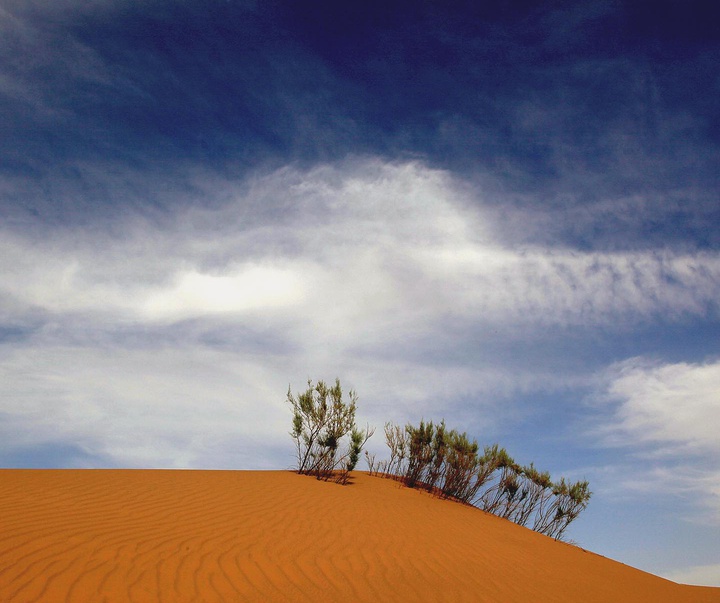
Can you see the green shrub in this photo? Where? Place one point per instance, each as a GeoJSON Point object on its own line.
{"type": "Point", "coordinates": [449, 464]}
{"type": "Point", "coordinates": [321, 420]}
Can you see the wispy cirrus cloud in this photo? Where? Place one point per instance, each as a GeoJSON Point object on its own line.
{"type": "Point", "coordinates": [665, 415]}
{"type": "Point", "coordinates": [371, 235]}
{"type": "Point", "coordinates": [674, 407]}
{"type": "Point", "coordinates": [354, 268]}
{"type": "Point", "coordinates": [144, 405]}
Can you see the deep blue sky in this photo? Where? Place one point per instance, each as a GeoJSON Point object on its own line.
{"type": "Point", "coordinates": [500, 213]}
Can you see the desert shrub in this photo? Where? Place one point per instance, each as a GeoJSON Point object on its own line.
{"type": "Point", "coordinates": [536, 489]}
{"type": "Point", "coordinates": [420, 452]}
{"type": "Point", "coordinates": [371, 463]}
{"type": "Point", "coordinates": [461, 462]}
{"type": "Point", "coordinates": [435, 472]}
{"type": "Point", "coordinates": [347, 463]}
{"type": "Point", "coordinates": [321, 421]}
{"type": "Point", "coordinates": [487, 466]}
{"type": "Point", "coordinates": [448, 463]}
{"type": "Point", "coordinates": [499, 495]}
{"type": "Point", "coordinates": [569, 500]}
{"type": "Point", "coordinates": [396, 440]}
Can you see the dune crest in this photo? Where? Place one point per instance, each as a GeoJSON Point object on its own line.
{"type": "Point", "coordinates": [181, 536]}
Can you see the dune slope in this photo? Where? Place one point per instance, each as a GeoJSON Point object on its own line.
{"type": "Point", "coordinates": [175, 536]}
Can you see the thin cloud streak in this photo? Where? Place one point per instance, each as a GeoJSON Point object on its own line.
{"type": "Point", "coordinates": [355, 242]}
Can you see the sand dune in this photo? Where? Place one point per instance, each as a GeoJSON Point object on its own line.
{"type": "Point", "coordinates": [202, 536]}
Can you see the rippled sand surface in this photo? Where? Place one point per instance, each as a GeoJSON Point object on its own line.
{"type": "Point", "coordinates": [207, 536]}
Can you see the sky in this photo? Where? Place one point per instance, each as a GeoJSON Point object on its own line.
{"type": "Point", "coordinates": [503, 214]}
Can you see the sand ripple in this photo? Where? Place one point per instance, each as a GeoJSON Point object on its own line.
{"type": "Point", "coordinates": [207, 536]}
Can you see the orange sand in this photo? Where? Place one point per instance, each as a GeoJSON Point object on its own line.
{"type": "Point", "coordinates": [202, 536]}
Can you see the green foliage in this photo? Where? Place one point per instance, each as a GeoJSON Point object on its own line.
{"type": "Point", "coordinates": [459, 477]}
{"type": "Point", "coordinates": [570, 499]}
{"type": "Point", "coordinates": [430, 456]}
{"type": "Point", "coordinates": [449, 464]}
{"type": "Point", "coordinates": [420, 451]}
{"type": "Point", "coordinates": [321, 420]}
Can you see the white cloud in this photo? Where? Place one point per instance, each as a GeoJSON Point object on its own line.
{"type": "Point", "coordinates": [672, 405]}
{"type": "Point", "coordinates": [699, 575]}
{"type": "Point", "coordinates": [163, 406]}
{"type": "Point", "coordinates": [667, 415]}
{"type": "Point", "coordinates": [353, 269]}
{"type": "Point", "coordinates": [186, 404]}
{"type": "Point", "coordinates": [42, 61]}
{"type": "Point", "coordinates": [251, 288]}
{"type": "Point", "coordinates": [357, 245]}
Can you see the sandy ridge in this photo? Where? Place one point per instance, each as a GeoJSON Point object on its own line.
{"type": "Point", "coordinates": [120, 536]}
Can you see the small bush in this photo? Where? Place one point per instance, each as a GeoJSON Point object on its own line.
{"type": "Point", "coordinates": [321, 421]}
{"type": "Point", "coordinates": [430, 456]}
{"type": "Point", "coordinates": [396, 439]}
{"type": "Point", "coordinates": [449, 464]}
{"type": "Point", "coordinates": [570, 500]}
